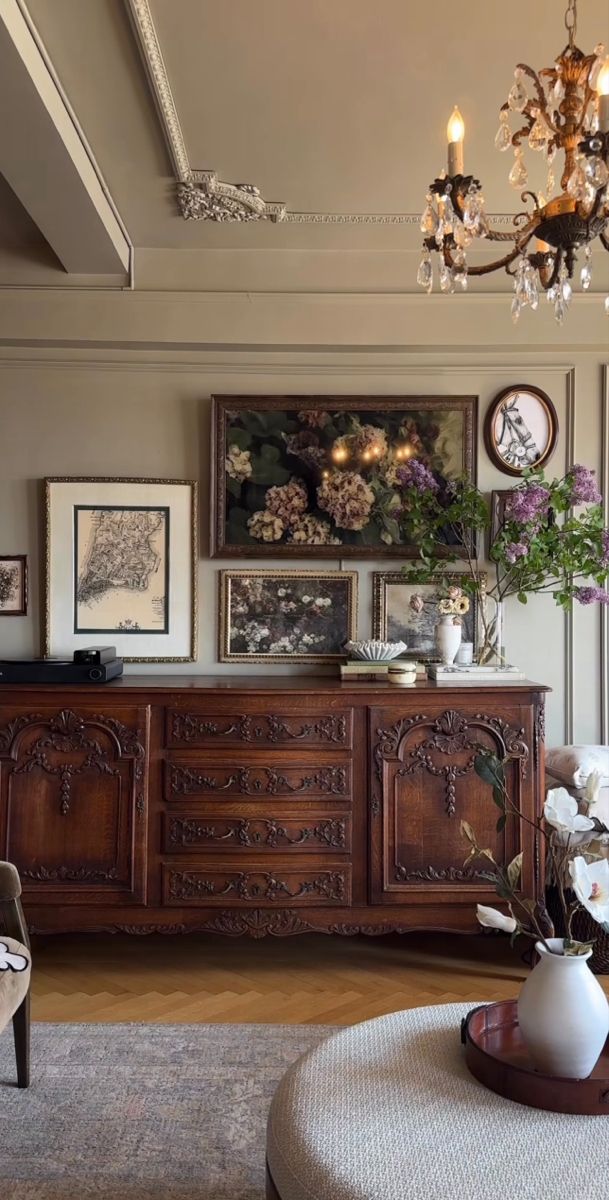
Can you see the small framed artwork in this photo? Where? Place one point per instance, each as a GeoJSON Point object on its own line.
{"type": "Point", "coordinates": [408, 612]}
{"type": "Point", "coordinates": [13, 585]}
{"type": "Point", "coordinates": [121, 567]}
{"type": "Point", "coordinates": [520, 429]}
{"type": "Point", "coordinates": [324, 476]}
{"type": "Point", "coordinates": [286, 616]}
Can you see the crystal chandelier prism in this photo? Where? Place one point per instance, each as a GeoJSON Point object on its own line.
{"type": "Point", "coordinates": [562, 113]}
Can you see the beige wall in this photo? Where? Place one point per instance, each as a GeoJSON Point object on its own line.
{"type": "Point", "coordinates": [120, 385]}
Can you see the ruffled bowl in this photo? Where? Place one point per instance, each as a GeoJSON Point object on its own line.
{"type": "Point", "coordinates": [375, 651]}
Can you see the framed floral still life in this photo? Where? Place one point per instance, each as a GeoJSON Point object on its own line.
{"type": "Point", "coordinates": [520, 429]}
{"type": "Point", "coordinates": [121, 567]}
{"type": "Point", "coordinates": [13, 585]}
{"type": "Point", "coordinates": [286, 616]}
{"type": "Point", "coordinates": [325, 476]}
{"type": "Point", "coordinates": [409, 612]}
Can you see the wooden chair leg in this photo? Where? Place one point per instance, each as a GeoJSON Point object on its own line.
{"type": "Point", "coordinates": [21, 1032]}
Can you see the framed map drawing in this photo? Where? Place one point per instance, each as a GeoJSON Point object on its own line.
{"type": "Point", "coordinates": [121, 567]}
{"type": "Point", "coordinates": [324, 476]}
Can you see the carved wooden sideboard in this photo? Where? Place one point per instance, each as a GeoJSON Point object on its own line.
{"type": "Point", "coordinates": [260, 806]}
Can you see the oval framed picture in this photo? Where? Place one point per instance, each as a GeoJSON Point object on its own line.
{"type": "Point", "coordinates": [520, 429]}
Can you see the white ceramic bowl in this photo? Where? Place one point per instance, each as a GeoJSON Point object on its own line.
{"type": "Point", "coordinates": [375, 651]}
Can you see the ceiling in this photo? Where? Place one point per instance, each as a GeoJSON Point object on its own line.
{"type": "Point", "coordinates": [332, 108]}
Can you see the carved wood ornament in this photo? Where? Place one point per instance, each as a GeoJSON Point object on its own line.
{"type": "Point", "coordinates": [451, 733]}
{"type": "Point", "coordinates": [266, 833]}
{"type": "Point", "coordinates": [256, 885]}
{"type": "Point", "coordinates": [257, 782]}
{"type": "Point", "coordinates": [189, 727]}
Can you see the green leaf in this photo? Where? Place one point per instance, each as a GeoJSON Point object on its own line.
{"type": "Point", "coordinates": [499, 798]}
{"type": "Point", "coordinates": [238, 437]}
{"type": "Point", "coordinates": [234, 487]}
{"type": "Point", "coordinates": [489, 768]}
{"type": "Point", "coordinates": [514, 870]}
{"type": "Point", "coordinates": [500, 826]}
{"type": "Point", "coordinates": [522, 598]}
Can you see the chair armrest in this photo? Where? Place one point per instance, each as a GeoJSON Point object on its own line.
{"type": "Point", "coordinates": [11, 912]}
{"type": "Point", "coordinates": [10, 883]}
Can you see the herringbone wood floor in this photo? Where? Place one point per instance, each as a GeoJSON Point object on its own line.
{"type": "Point", "coordinates": [312, 979]}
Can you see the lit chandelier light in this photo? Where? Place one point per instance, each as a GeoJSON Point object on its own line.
{"type": "Point", "coordinates": [563, 108]}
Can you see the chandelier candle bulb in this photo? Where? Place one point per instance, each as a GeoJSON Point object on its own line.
{"type": "Point", "coordinates": [602, 87]}
{"type": "Point", "coordinates": [455, 132]}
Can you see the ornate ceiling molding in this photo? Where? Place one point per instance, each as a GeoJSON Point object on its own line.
{"type": "Point", "coordinates": [201, 196]}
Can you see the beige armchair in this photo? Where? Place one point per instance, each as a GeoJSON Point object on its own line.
{"type": "Point", "coordinates": [15, 969]}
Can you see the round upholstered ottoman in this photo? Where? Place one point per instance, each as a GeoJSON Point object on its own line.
{"type": "Point", "coordinates": [387, 1110]}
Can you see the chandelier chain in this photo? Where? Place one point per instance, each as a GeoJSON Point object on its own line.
{"type": "Point", "coordinates": [571, 21]}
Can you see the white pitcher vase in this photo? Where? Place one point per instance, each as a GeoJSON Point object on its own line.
{"type": "Point", "coordinates": [448, 639]}
{"type": "Point", "coordinates": [563, 1013]}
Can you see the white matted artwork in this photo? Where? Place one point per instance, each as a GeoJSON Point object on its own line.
{"type": "Point", "coordinates": [121, 567]}
{"type": "Point", "coordinates": [520, 429]}
{"type": "Point", "coordinates": [395, 618]}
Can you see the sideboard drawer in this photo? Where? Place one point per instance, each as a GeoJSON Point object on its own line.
{"type": "Point", "coordinates": [312, 831]}
{"type": "Point", "coordinates": [273, 884]}
{"type": "Point", "coordinates": [194, 727]}
{"type": "Point", "coordinates": [248, 779]}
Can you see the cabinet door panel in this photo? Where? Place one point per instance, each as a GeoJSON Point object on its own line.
{"type": "Point", "coordinates": [424, 784]}
{"type": "Point", "coordinates": [73, 802]}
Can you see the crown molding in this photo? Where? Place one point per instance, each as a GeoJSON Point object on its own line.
{"type": "Point", "coordinates": [200, 195]}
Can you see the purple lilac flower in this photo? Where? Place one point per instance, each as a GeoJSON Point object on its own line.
{"type": "Point", "coordinates": [515, 550]}
{"type": "Point", "coordinates": [591, 595]}
{"type": "Point", "coordinates": [605, 549]}
{"type": "Point", "coordinates": [414, 474]}
{"type": "Point", "coordinates": [527, 504]}
{"type": "Point", "coordinates": [583, 486]}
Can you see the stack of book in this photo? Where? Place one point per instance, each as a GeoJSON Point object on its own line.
{"type": "Point", "coordinates": [475, 673]}
{"type": "Point", "coordinates": [358, 670]}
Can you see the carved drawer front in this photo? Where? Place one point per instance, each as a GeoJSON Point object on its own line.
{"type": "Point", "coordinates": [183, 779]}
{"type": "Point", "coordinates": [187, 727]}
{"type": "Point", "coordinates": [311, 831]}
{"type": "Point", "coordinates": [73, 801]}
{"type": "Point", "coordinates": [271, 884]}
{"type": "Point", "coordinates": [423, 784]}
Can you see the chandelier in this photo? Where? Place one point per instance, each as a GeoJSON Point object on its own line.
{"type": "Point", "coordinates": [560, 110]}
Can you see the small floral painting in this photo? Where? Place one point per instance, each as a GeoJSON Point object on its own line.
{"type": "Point", "coordinates": [286, 616]}
{"type": "Point", "coordinates": [329, 475]}
{"type": "Point", "coordinates": [409, 612]}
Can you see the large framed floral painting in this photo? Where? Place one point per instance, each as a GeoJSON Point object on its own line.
{"type": "Point", "coordinates": [325, 476]}
{"type": "Point", "coordinates": [286, 616]}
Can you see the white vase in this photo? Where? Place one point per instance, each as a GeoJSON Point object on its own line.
{"type": "Point", "coordinates": [448, 639]}
{"type": "Point", "coordinates": [563, 1013]}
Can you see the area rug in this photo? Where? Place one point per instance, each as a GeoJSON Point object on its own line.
{"type": "Point", "coordinates": [143, 1112]}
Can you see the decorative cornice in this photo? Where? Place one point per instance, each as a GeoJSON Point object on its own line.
{"type": "Point", "coordinates": [201, 195]}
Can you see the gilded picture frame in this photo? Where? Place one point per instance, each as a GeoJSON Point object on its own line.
{"type": "Point", "coordinates": [121, 567]}
{"type": "Point", "coordinates": [320, 476]}
{"type": "Point", "coordinates": [286, 616]}
{"type": "Point", "coordinates": [392, 619]}
{"type": "Point", "coordinates": [13, 585]}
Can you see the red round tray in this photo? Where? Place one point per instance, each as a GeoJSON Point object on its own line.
{"type": "Point", "coordinates": [496, 1055]}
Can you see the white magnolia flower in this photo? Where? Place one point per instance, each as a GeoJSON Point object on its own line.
{"type": "Point", "coordinates": [11, 962]}
{"type": "Point", "coordinates": [307, 599]}
{"type": "Point", "coordinates": [591, 886]}
{"type": "Point", "coordinates": [491, 918]}
{"type": "Point", "coordinates": [560, 811]}
{"type": "Point", "coordinates": [593, 787]}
